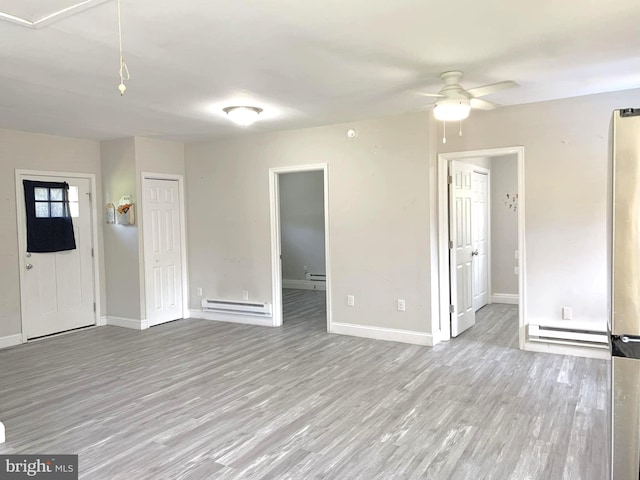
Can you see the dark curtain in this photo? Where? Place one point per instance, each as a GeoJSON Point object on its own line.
{"type": "Point", "coordinates": [49, 225]}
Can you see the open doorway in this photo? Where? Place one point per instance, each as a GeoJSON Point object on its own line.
{"type": "Point", "coordinates": [481, 239]}
{"type": "Point", "coordinates": [300, 247]}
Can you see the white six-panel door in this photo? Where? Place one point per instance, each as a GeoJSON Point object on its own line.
{"type": "Point", "coordinates": [58, 288]}
{"type": "Point", "coordinates": [460, 234]}
{"type": "Point", "coordinates": [480, 239]}
{"type": "Point", "coordinates": [162, 250]}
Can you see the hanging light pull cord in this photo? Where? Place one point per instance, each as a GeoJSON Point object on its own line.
{"type": "Point", "coordinates": [444, 131]}
{"type": "Point", "coordinates": [123, 71]}
{"type": "Point", "coordinates": [460, 132]}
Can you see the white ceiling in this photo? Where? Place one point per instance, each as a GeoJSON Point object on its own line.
{"type": "Point", "coordinates": [306, 63]}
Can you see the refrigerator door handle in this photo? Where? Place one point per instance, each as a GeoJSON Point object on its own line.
{"type": "Point", "coordinates": [626, 339]}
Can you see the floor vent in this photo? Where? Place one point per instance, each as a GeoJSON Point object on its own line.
{"type": "Point", "coordinates": [567, 336]}
{"type": "Point", "coordinates": [241, 307]}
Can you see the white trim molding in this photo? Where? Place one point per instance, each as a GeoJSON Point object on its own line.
{"type": "Point", "coordinates": [276, 247]}
{"type": "Point", "coordinates": [387, 334]}
{"type": "Point", "coordinates": [232, 318]}
{"type": "Point", "coordinates": [102, 321]}
{"type": "Point", "coordinates": [564, 348]}
{"type": "Point", "coordinates": [20, 218]}
{"type": "Point", "coordinates": [303, 284]}
{"type": "Point", "coordinates": [2, 434]}
{"type": "Point", "coordinates": [509, 298]}
{"type": "Point", "coordinates": [131, 323]}
{"type": "Point", "coordinates": [443, 322]}
{"type": "Point", "coordinates": [11, 340]}
{"type": "Point", "coordinates": [183, 239]}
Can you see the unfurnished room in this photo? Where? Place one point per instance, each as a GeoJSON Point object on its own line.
{"type": "Point", "coordinates": [338, 240]}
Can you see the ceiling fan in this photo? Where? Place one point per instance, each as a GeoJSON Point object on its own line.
{"type": "Point", "coordinates": [454, 102]}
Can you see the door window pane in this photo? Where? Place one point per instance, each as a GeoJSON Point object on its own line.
{"type": "Point", "coordinates": [56, 194]}
{"type": "Point", "coordinates": [57, 209]}
{"type": "Point", "coordinates": [42, 209]}
{"type": "Point", "coordinates": [41, 193]}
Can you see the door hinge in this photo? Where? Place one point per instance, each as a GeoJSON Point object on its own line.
{"type": "Point", "coordinates": [452, 309]}
{"type": "Point", "coordinates": [450, 244]}
{"type": "Point", "coordinates": [89, 194]}
{"type": "Point", "coordinates": [92, 253]}
{"type": "Point", "coordinates": [449, 179]}
{"type": "Point", "coordinates": [94, 306]}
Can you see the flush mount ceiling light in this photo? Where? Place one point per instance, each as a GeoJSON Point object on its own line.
{"type": "Point", "coordinates": [452, 109]}
{"type": "Point", "coordinates": [242, 115]}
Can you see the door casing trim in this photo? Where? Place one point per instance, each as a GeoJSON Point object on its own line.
{"type": "Point", "coordinates": [441, 326]}
{"type": "Point", "coordinates": [183, 239]}
{"type": "Point", "coordinates": [20, 218]}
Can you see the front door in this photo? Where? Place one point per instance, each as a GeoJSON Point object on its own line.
{"type": "Point", "coordinates": [460, 253]}
{"type": "Point", "coordinates": [162, 250]}
{"type": "Point", "coordinates": [58, 288]}
{"type": "Point", "coordinates": [480, 239]}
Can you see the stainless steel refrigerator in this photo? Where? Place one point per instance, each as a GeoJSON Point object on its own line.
{"type": "Point", "coordinates": [625, 318]}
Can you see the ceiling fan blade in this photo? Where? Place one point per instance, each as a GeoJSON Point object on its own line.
{"type": "Point", "coordinates": [435, 95]}
{"type": "Point", "coordinates": [479, 104]}
{"type": "Point", "coordinates": [488, 89]}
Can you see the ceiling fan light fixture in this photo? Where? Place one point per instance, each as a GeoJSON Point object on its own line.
{"type": "Point", "coordinates": [451, 109]}
{"type": "Point", "coordinates": [242, 115]}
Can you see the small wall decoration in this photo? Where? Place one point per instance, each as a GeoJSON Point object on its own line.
{"type": "Point", "coordinates": [111, 213]}
{"type": "Point", "coordinates": [124, 212]}
{"type": "Point", "coordinates": [511, 201]}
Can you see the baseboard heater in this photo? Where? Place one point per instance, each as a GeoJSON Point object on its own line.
{"type": "Point", "coordinates": [567, 336]}
{"type": "Point", "coordinates": [316, 277]}
{"type": "Point", "coordinates": [241, 307]}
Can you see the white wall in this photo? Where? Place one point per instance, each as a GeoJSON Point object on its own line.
{"type": "Point", "coordinates": [302, 223]}
{"type": "Point", "coordinates": [504, 224]}
{"type": "Point", "coordinates": [121, 241]}
{"type": "Point", "coordinates": [31, 151]}
{"type": "Point", "coordinates": [567, 176]}
{"type": "Point", "coordinates": [379, 216]}
{"type": "Point", "coordinates": [123, 161]}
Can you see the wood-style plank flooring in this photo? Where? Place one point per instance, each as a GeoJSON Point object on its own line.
{"type": "Point", "coordinates": [195, 399]}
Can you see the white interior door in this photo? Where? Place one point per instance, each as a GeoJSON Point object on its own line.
{"type": "Point", "coordinates": [162, 250]}
{"type": "Point", "coordinates": [58, 288]}
{"type": "Point", "coordinates": [480, 239]}
{"type": "Point", "coordinates": [460, 235]}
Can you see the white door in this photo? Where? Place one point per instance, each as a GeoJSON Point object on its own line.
{"type": "Point", "coordinates": [162, 250]}
{"type": "Point", "coordinates": [460, 210]}
{"type": "Point", "coordinates": [58, 288]}
{"type": "Point", "coordinates": [480, 239]}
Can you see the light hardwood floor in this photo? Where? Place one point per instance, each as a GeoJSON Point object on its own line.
{"type": "Point", "coordinates": [204, 400]}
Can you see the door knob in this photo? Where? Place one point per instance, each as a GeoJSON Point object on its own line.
{"type": "Point", "coordinates": [29, 266]}
{"type": "Point", "coordinates": [474, 253]}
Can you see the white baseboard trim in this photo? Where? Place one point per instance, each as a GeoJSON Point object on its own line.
{"type": "Point", "coordinates": [132, 323]}
{"type": "Point", "coordinates": [510, 298]}
{"type": "Point", "coordinates": [304, 284]}
{"type": "Point", "coordinates": [2, 435]}
{"type": "Point", "coordinates": [564, 349]}
{"type": "Point", "coordinates": [102, 321]}
{"type": "Point", "coordinates": [379, 333]}
{"type": "Point", "coordinates": [11, 340]}
{"type": "Point", "coordinates": [232, 318]}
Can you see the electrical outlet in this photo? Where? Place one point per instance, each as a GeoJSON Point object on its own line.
{"type": "Point", "coordinates": [306, 268]}
{"type": "Point", "coordinates": [401, 305]}
{"type": "Point", "coordinates": [516, 255]}
{"type": "Point", "coordinates": [199, 291]}
{"type": "Point", "coordinates": [351, 301]}
{"type": "Point", "coordinates": [516, 270]}
{"type": "Point", "coordinates": [566, 313]}
{"type": "Point", "coordinates": [245, 294]}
